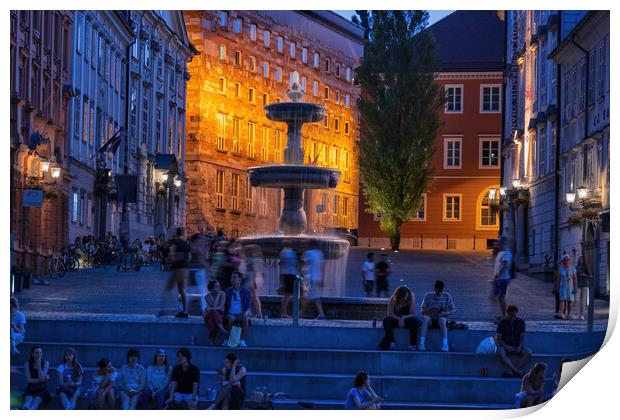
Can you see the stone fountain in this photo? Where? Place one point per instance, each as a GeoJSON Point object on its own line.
{"type": "Point", "coordinates": [294, 177]}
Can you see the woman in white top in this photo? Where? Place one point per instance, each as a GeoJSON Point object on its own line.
{"type": "Point", "coordinates": [70, 375]}
{"type": "Point", "coordinates": [104, 383]}
{"type": "Point", "coordinates": [158, 377]}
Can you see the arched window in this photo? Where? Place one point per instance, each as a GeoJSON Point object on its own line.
{"type": "Point", "coordinates": [488, 212]}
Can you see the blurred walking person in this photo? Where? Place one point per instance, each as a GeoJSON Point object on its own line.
{"type": "Point", "coordinates": [288, 273]}
{"type": "Point", "coordinates": [254, 275]}
{"type": "Point", "coordinates": [583, 283]}
{"type": "Point", "coordinates": [312, 271]}
{"type": "Point", "coordinates": [502, 276]}
{"type": "Point", "coordinates": [180, 253]}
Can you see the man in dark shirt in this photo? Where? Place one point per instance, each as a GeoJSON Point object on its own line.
{"type": "Point", "coordinates": [180, 253]}
{"type": "Point", "coordinates": [510, 338]}
{"type": "Point", "coordinates": [383, 271]}
{"type": "Point", "coordinates": [185, 381]}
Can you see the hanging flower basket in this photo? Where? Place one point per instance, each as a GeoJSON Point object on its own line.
{"type": "Point", "coordinates": [590, 214]}
{"type": "Point", "coordinates": [575, 219]}
{"type": "Point", "coordinates": [50, 195]}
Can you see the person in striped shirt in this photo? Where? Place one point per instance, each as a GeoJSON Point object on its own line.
{"type": "Point", "coordinates": [436, 307]}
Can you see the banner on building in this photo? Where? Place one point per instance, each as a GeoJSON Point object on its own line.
{"type": "Point", "coordinates": [127, 188]}
{"type": "Point", "coordinates": [32, 198]}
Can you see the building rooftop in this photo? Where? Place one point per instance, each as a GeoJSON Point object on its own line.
{"type": "Point", "coordinates": [470, 40]}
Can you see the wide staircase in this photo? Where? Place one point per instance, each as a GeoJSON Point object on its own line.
{"type": "Point", "coordinates": [309, 363]}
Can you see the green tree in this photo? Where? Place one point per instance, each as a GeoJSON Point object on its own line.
{"type": "Point", "coordinates": [399, 114]}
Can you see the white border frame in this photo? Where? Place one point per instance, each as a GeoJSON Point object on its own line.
{"type": "Point", "coordinates": [447, 138]}
{"type": "Point", "coordinates": [499, 151]}
{"type": "Point", "coordinates": [416, 219]}
{"type": "Point", "coordinates": [490, 85]}
{"type": "Point", "coordinates": [446, 195]}
{"type": "Point", "coordinates": [446, 87]}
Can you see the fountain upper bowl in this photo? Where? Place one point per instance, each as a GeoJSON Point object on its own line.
{"type": "Point", "coordinates": [294, 176]}
{"type": "Point", "coordinates": [295, 112]}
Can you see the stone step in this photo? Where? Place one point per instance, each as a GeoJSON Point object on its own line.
{"type": "Point", "coordinates": [170, 331]}
{"type": "Point", "coordinates": [313, 386]}
{"type": "Point", "coordinates": [85, 403]}
{"type": "Point", "coordinates": [303, 360]}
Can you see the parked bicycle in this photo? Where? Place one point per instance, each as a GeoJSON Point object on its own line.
{"type": "Point", "coordinates": [55, 267]}
{"type": "Point", "coordinates": [70, 259]}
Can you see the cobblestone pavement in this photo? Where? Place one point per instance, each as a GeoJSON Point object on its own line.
{"type": "Point", "coordinates": [105, 291]}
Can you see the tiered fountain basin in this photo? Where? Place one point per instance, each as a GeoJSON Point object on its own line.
{"type": "Point", "coordinates": [295, 111]}
{"type": "Point", "coordinates": [333, 247]}
{"type": "Point", "coordinates": [294, 176]}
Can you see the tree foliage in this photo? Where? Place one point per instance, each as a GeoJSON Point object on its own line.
{"type": "Point", "coordinates": [399, 114]}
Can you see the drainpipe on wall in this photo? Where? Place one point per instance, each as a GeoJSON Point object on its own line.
{"type": "Point", "coordinates": [558, 132]}
{"type": "Point", "coordinates": [502, 159]}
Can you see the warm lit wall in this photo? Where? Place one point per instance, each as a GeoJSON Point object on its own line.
{"type": "Point", "coordinates": [212, 112]}
{"type": "Point", "coordinates": [472, 181]}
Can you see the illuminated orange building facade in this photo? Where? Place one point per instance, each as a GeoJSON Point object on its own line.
{"type": "Point", "coordinates": [458, 212]}
{"type": "Point", "coordinates": [246, 60]}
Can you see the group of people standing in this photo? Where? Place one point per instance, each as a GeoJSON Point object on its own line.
{"type": "Point", "coordinates": [158, 386]}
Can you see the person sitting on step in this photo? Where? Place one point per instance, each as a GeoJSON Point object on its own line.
{"type": "Point", "coordinates": [510, 339]}
{"type": "Point", "coordinates": [232, 379]}
{"type": "Point", "coordinates": [70, 375]}
{"type": "Point", "coordinates": [436, 307]}
{"type": "Point", "coordinates": [35, 370]}
{"type": "Point", "coordinates": [362, 396]}
{"type": "Point", "coordinates": [131, 381]}
{"type": "Point", "coordinates": [534, 385]}
{"type": "Point", "coordinates": [401, 314]}
{"type": "Point", "coordinates": [238, 306]}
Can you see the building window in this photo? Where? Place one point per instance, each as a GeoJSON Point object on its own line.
{"type": "Point", "coordinates": [488, 213]}
{"type": "Point", "coordinates": [78, 44]}
{"type": "Point", "coordinates": [222, 52]}
{"type": "Point", "coordinates": [420, 215]}
{"type": "Point", "coordinates": [327, 65]}
{"type": "Point", "coordinates": [85, 121]}
{"type": "Point", "coordinates": [82, 211]}
{"type": "Point", "coordinates": [249, 204]}
{"type": "Point", "coordinates": [279, 74]}
{"type": "Point", "coordinates": [602, 53]}
{"type": "Point", "coordinates": [101, 51]}
{"type": "Point", "coordinates": [337, 125]}
{"type": "Point", "coordinates": [347, 101]}
{"type": "Point", "coordinates": [452, 207]}
{"type": "Point", "coordinates": [89, 212]}
{"type": "Point", "coordinates": [238, 58]}
{"type": "Point", "coordinates": [238, 90]}
{"type": "Point", "coordinates": [542, 152]}
{"type": "Point", "coordinates": [91, 127]}
{"type": "Point", "coordinates": [315, 88]}
{"type": "Point", "coordinates": [452, 153]}
{"type": "Point", "coordinates": [238, 26]}
{"type": "Point", "coordinates": [267, 38]}
{"type": "Point", "coordinates": [348, 74]}
{"type": "Point", "coordinates": [75, 206]}
{"type": "Point", "coordinates": [264, 146]}
{"type": "Point", "coordinates": [326, 93]}
{"type": "Point", "coordinates": [158, 123]}
{"type": "Point", "coordinates": [222, 85]}
{"type": "Point", "coordinates": [252, 32]}
{"type": "Point", "coordinates": [252, 64]}
{"type": "Point", "coordinates": [266, 69]}
{"type": "Point", "coordinates": [145, 116]}
{"type": "Point", "coordinates": [592, 87]}
{"type": "Point", "coordinates": [221, 132]}
{"type": "Point", "coordinates": [277, 145]}
{"type": "Point", "coordinates": [235, 193]}
{"type": "Point", "coordinates": [251, 133]}
{"type": "Point", "coordinates": [223, 18]}
{"type": "Point", "coordinates": [490, 98]}
{"type": "Point", "coordinates": [303, 83]}
{"type": "Point", "coordinates": [326, 121]}
{"type": "Point", "coordinates": [292, 50]}
{"type": "Point", "coordinates": [219, 190]}
{"type": "Point", "coordinates": [265, 99]}
{"type": "Point", "coordinates": [346, 128]}
{"type": "Point", "coordinates": [280, 44]}
{"type": "Point", "coordinates": [251, 95]}
{"type": "Point", "coordinates": [454, 98]}
{"type": "Point", "coordinates": [76, 117]}
{"type": "Point", "coordinates": [304, 55]}
{"type": "Point", "coordinates": [315, 62]}
{"type": "Point", "coordinates": [337, 98]}
{"type": "Point", "coordinates": [489, 153]}
{"type": "Point", "coordinates": [337, 69]}
{"type": "Point", "coordinates": [236, 135]}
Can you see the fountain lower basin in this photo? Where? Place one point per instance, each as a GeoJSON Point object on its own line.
{"type": "Point", "coordinates": [290, 112]}
{"type": "Point", "coordinates": [294, 176]}
{"type": "Point", "coordinates": [333, 247]}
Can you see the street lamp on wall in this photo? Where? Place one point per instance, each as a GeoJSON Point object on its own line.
{"type": "Point", "coordinates": [570, 197]}
{"type": "Point", "coordinates": [582, 193]}
{"type": "Point", "coordinates": [492, 193]}
{"type": "Point", "coordinates": [45, 166]}
{"type": "Point", "coordinates": [164, 177]}
{"type": "Point", "coordinates": [516, 183]}
{"type": "Point", "coordinates": [177, 182]}
{"type": "Point", "coordinates": [502, 191]}
{"type": "Point", "coordinates": [55, 172]}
